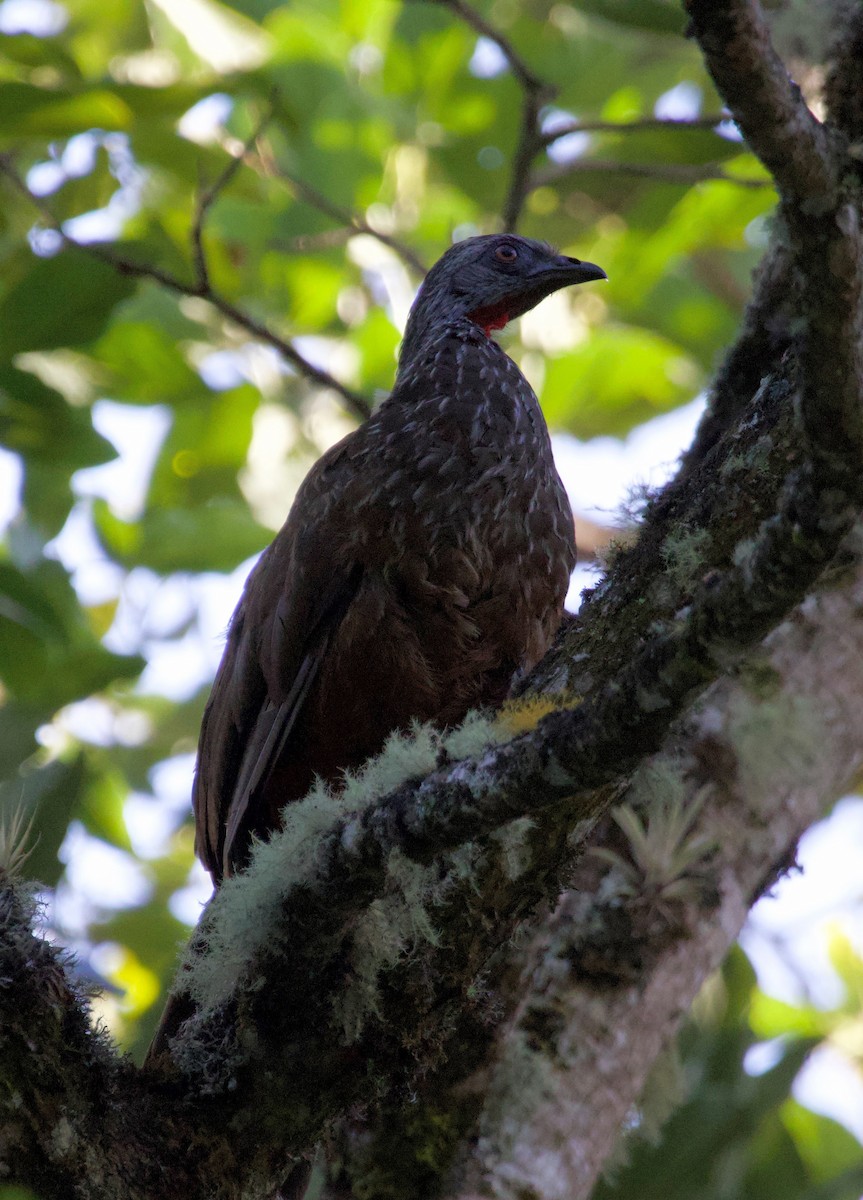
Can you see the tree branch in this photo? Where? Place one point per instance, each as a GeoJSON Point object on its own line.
{"type": "Point", "coordinates": [765, 335]}
{"type": "Point", "coordinates": [527, 79]}
{"type": "Point", "coordinates": [842, 87]}
{"type": "Point", "coordinates": [821, 205]}
{"type": "Point", "coordinates": [201, 288]}
{"type": "Point", "coordinates": [768, 107]}
{"type": "Point", "coordinates": [755, 794]}
{"type": "Point", "coordinates": [346, 900]}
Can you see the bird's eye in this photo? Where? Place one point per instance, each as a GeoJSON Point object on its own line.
{"type": "Point", "coordinates": [506, 254]}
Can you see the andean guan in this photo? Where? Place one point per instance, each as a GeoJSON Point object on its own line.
{"type": "Point", "coordinates": [424, 562]}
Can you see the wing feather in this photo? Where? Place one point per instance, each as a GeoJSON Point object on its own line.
{"type": "Point", "coordinates": [294, 600]}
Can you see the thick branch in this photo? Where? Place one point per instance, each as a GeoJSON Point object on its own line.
{"type": "Point", "coordinates": [762, 768]}
{"type": "Point", "coordinates": [821, 207]}
{"type": "Point", "coordinates": [299, 912]}
{"type": "Point", "coordinates": [765, 335]}
{"type": "Point", "coordinates": [767, 106]}
{"type": "Point", "coordinates": [843, 88]}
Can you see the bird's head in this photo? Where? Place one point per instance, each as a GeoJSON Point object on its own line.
{"type": "Point", "coordinates": [491, 280]}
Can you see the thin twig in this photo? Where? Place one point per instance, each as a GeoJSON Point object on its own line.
{"type": "Point", "coordinates": [208, 196]}
{"type": "Point", "coordinates": [525, 76]}
{"type": "Point", "coordinates": [199, 289]}
{"type": "Point", "coordinates": [529, 145]}
{"type": "Point", "coordinates": [642, 125]}
{"type": "Point", "coordinates": [665, 172]}
{"type": "Point", "coordinates": [536, 93]}
{"type": "Point", "coordinates": [353, 222]}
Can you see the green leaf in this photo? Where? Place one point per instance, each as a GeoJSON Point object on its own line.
{"type": "Point", "coordinates": [617, 378]}
{"type": "Point", "coordinates": [48, 654]}
{"type": "Point", "coordinates": [62, 301]}
{"type": "Point", "coordinates": [215, 537]}
{"type": "Point", "coordinates": [43, 112]}
{"type": "Point", "coordinates": [101, 807]}
{"type": "Point", "coordinates": [657, 16]}
{"type": "Point", "coordinates": [52, 793]}
{"type": "Point", "coordinates": [825, 1146]}
{"type": "Point", "coordinates": [31, 51]}
{"type": "Point", "coordinates": [37, 421]}
{"type": "Point", "coordinates": [772, 1018]}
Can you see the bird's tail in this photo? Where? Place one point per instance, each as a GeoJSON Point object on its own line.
{"type": "Point", "coordinates": [179, 1008]}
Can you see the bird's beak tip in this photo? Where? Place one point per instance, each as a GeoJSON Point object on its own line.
{"type": "Point", "coordinates": [587, 272]}
{"type": "Point", "coordinates": [569, 271]}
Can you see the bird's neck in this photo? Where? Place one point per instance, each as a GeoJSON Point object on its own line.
{"type": "Point", "coordinates": [431, 312]}
{"type": "Point", "coordinates": [432, 315]}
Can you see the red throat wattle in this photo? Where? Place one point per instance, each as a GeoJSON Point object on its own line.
{"type": "Point", "coordinates": [495, 316]}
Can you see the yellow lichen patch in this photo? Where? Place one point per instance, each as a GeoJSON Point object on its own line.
{"type": "Point", "coordinates": [523, 715]}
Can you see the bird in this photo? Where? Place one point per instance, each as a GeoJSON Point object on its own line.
{"type": "Point", "coordinates": [423, 564]}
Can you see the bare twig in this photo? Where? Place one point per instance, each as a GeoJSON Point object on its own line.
{"type": "Point", "coordinates": [201, 289]}
{"type": "Point", "coordinates": [536, 93]}
{"type": "Point", "coordinates": [353, 222]}
{"type": "Point", "coordinates": [529, 145]}
{"type": "Point", "coordinates": [525, 76]}
{"type": "Point", "coordinates": [208, 196]}
{"type": "Point", "coordinates": [663, 172]}
{"type": "Point", "coordinates": [642, 125]}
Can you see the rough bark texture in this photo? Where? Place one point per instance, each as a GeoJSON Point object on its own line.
{"type": "Point", "coordinates": [397, 975]}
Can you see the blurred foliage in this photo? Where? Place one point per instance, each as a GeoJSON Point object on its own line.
{"type": "Point", "coordinates": [738, 1133]}
{"type": "Point", "coordinates": [397, 117]}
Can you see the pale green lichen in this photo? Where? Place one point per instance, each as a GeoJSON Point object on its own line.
{"type": "Point", "coordinates": [776, 741]}
{"type": "Point", "coordinates": [744, 556]}
{"type": "Point", "coordinates": [394, 925]}
{"type": "Point", "coordinates": [512, 841]}
{"type": "Point", "coordinates": [63, 1139]}
{"type": "Point", "coordinates": [389, 929]}
{"type": "Point", "coordinates": [246, 911]}
{"type": "Point", "coordinates": [477, 732]}
{"type": "Point", "coordinates": [683, 554]}
{"type": "Point", "coordinates": [523, 1078]}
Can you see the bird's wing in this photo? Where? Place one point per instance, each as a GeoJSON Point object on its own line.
{"type": "Point", "coordinates": [293, 602]}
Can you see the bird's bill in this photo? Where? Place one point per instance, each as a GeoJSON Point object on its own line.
{"type": "Point", "coordinates": [551, 276]}
{"type": "Point", "coordinates": [563, 271]}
